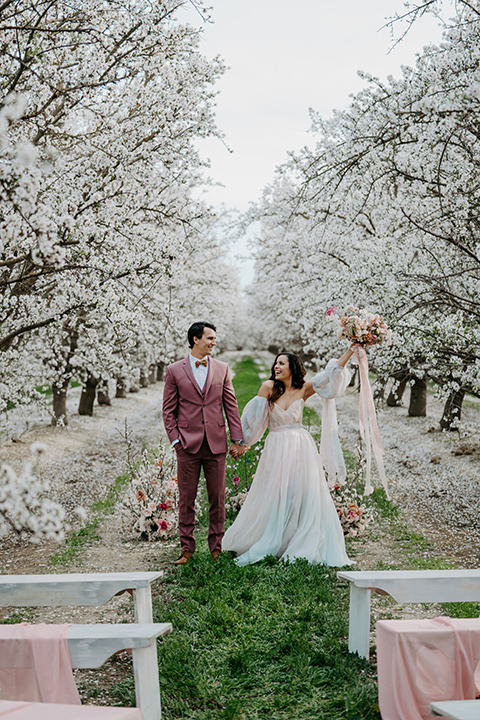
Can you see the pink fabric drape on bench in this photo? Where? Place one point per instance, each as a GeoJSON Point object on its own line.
{"type": "Point", "coordinates": [35, 664]}
{"type": "Point", "coordinates": [420, 661]}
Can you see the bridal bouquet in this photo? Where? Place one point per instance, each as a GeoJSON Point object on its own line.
{"type": "Point", "coordinates": [362, 327]}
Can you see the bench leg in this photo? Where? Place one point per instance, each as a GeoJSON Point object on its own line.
{"type": "Point", "coordinates": [143, 605]}
{"type": "Point", "coordinates": [147, 687]}
{"type": "Point", "coordinates": [359, 622]}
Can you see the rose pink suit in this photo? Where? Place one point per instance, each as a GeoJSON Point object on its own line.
{"type": "Point", "coordinates": [196, 419]}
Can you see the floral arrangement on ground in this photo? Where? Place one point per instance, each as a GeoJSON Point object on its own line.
{"type": "Point", "coordinates": [150, 505]}
{"type": "Point", "coordinates": [352, 512]}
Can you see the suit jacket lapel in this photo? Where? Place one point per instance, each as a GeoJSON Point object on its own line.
{"type": "Point", "coordinates": [188, 369]}
{"type": "Point", "coordinates": [211, 370]}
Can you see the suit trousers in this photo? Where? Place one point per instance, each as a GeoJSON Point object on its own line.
{"type": "Point", "coordinates": [189, 466]}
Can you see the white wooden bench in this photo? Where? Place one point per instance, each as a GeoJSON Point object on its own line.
{"type": "Point", "coordinates": [57, 711]}
{"type": "Point", "coordinates": [457, 709]}
{"type": "Point", "coordinates": [404, 586]}
{"type": "Point", "coordinates": [91, 645]}
{"type": "Point", "coordinates": [79, 589]}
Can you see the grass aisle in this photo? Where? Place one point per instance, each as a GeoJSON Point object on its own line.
{"type": "Point", "coordinates": [267, 640]}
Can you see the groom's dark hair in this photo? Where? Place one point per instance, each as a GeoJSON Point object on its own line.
{"type": "Point", "coordinates": [196, 330]}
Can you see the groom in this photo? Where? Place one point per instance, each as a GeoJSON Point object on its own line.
{"type": "Point", "coordinates": [197, 391]}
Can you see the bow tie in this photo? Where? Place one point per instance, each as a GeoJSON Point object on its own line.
{"type": "Point", "coordinates": [203, 362]}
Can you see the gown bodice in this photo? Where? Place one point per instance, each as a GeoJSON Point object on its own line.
{"type": "Point", "coordinates": [278, 417]}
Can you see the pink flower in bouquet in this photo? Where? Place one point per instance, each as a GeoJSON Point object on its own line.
{"type": "Point", "coordinates": [236, 480]}
{"type": "Point", "coordinates": [332, 310]}
{"type": "Point", "coordinates": [163, 506]}
{"type": "Point", "coordinates": [163, 525]}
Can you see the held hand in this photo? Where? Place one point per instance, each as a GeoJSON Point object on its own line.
{"type": "Point", "coordinates": [236, 451]}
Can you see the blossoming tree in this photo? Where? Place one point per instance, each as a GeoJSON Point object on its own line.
{"type": "Point", "coordinates": [383, 212]}
{"type": "Point", "coordinates": [104, 244]}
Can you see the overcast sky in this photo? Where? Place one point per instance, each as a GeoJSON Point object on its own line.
{"type": "Point", "coordinates": [285, 56]}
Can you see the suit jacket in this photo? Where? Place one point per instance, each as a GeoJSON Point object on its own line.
{"type": "Point", "coordinates": [190, 413]}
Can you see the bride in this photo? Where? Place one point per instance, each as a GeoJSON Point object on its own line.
{"type": "Point", "coordinates": [288, 511]}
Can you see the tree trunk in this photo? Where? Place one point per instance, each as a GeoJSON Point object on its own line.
{"type": "Point", "coordinates": [353, 379]}
{"type": "Point", "coordinates": [143, 379]}
{"type": "Point", "coordinates": [60, 403]}
{"type": "Point", "coordinates": [87, 398]}
{"type": "Point", "coordinates": [103, 398]}
{"type": "Point", "coordinates": [396, 393]}
{"type": "Point", "coordinates": [418, 398]}
{"type": "Point", "coordinates": [160, 370]}
{"type": "Point", "coordinates": [60, 390]}
{"type": "Point", "coordinates": [379, 388]}
{"type": "Point", "coordinates": [452, 412]}
{"type": "Point", "coordinates": [152, 374]}
{"type": "Point", "coordinates": [121, 388]}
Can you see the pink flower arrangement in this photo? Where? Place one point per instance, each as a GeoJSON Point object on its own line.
{"type": "Point", "coordinates": [362, 327]}
{"type": "Point", "coordinates": [236, 480]}
{"type": "Point", "coordinates": [353, 514]}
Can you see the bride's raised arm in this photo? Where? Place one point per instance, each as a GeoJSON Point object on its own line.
{"type": "Point", "coordinates": [255, 415]}
{"type": "Point", "coordinates": [332, 381]}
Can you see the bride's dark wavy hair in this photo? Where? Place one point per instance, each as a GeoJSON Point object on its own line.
{"type": "Point", "coordinates": [297, 368]}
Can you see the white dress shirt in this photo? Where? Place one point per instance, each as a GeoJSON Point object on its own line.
{"type": "Point", "coordinates": [199, 373]}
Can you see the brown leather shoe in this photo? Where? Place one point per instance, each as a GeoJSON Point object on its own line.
{"type": "Point", "coordinates": [184, 558]}
{"type": "Point", "coordinates": [215, 554]}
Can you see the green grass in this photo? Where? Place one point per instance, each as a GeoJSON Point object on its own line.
{"type": "Point", "coordinates": [26, 615]}
{"type": "Point", "coordinates": [107, 504]}
{"type": "Point", "coordinates": [461, 610]}
{"type": "Point", "coordinates": [267, 640]}
{"type": "Point", "coordinates": [386, 507]}
{"type": "Point", "coordinates": [76, 542]}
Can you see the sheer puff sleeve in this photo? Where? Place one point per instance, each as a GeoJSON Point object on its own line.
{"type": "Point", "coordinates": [254, 419]}
{"type": "Point", "coordinates": [329, 384]}
{"type": "Point", "coordinates": [332, 381]}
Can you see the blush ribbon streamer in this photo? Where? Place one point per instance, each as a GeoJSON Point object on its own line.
{"type": "Point", "coordinates": [368, 423]}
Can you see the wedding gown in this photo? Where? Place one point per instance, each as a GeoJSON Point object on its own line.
{"type": "Point", "coordinates": [288, 511]}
